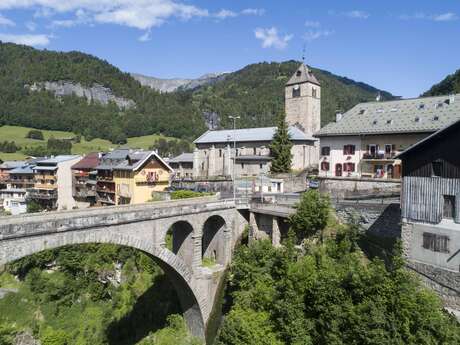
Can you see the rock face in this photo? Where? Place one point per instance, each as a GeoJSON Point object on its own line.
{"type": "Point", "coordinates": [171, 85]}
{"type": "Point", "coordinates": [97, 92]}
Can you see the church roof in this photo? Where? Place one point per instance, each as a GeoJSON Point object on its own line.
{"type": "Point", "coordinates": [303, 75]}
{"type": "Point", "coordinates": [249, 135]}
{"type": "Point", "coordinates": [416, 115]}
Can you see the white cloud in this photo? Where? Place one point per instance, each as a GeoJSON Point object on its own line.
{"type": "Point", "coordinates": [355, 14]}
{"type": "Point", "coordinates": [31, 26]}
{"type": "Point", "coordinates": [271, 38]}
{"type": "Point", "coordinates": [253, 12]}
{"type": "Point", "coordinates": [222, 14]}
{"type": "Point", "coordinates": [145, 37]}
{"type": "Point", "coordinates": [30, 40]}
{"type": "Point", "coordinates": [312, 24]}
{"type": "Point", "coordinates": [6, 22]}
{"type": "Point", "coordinates": [312, 35]}
{"type": "Point", "coordinates": [442, 17]}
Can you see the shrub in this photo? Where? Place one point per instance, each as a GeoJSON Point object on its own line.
{"type": "Point", "coordinates": [35, 134]}
{"type": "Point", "coordinates": [185, 194]}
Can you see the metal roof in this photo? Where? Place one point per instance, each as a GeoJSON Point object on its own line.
{"type": "Point", "coordinates": [90, 161]}
{"type": "Point", "coordinates": [248, 135]}
{"type": "Point", "coordinates": [26, 169]}
{"type": "Point", "coordinates": [416, 115]}
{"type": "Point", "coordinates": [58, 159]}
{"type": "Point", "coordinates": [45, 167]}
{"type": "Point", "coordinates": [11, 164]}
{"type": "Point", "coordinates": [183, 157]}
{"type": "Point", "coordinates": [303, 75]}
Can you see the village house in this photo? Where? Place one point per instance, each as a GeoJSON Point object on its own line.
{"type": "Point", "coordinates": [5, 169]}
{"type": "Point", "coordinates": [84, 179]}
{"type": "Point", "coordinates": [364, 142]}
{"type": "Point", "coordinates": [430, 205]}
{"type": "Point", "coordinates": [182, 165]}
{"type": "Point", "coordinates": [53, 183]}
{"type": "Point", "coordinates": [127, 176]}
{"type": "Point", "coordinates": [215, 154]}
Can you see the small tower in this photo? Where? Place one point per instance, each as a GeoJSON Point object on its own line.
{"type": "Point", "coordinates": [303, 100]}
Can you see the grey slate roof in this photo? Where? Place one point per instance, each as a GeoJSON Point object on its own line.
{"type": "Point", "coordinates": [416, 115]}
{"type": "Point", "coordinates": [182, 158]}
{"type": "Point", "coordinates": [305, 75]}
{"type": "Point", "coordinates": [127, 159]}
{"type": "Point", "coordinates": [248, 135]}
{"type": "Point", "coordinates": [57, 159]}
{"type": "Point", "coordinates": [11, 164]}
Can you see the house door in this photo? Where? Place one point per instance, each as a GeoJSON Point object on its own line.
{"type": "Point", "coordinates": [390, 170]}
{"type": "Point", "coordinates": [449, 206]}
{"type": "Point", "coordinates": [397, 171]}
{"type": "Point", "coordinates": [338, 170]}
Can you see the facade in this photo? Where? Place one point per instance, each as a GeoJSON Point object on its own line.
{"type": "Point", "coordinates": [215, 153]}
{"type": "Point", "coordinates": [365, 141]}
{"type": "Point", "coordinates": [126, 176]}
{"type": "Point", "coordinates": [84, 179]}
{"type": "Point", "coordinates": [53, 183]}
{"type": "Point", "coordinates": [430, 205]}
{"type": "Point", "coordinates": [139, 175]}
{"type": "Point", "coordinates": [182, 165]}
{"type": "Point", "coordinates": [5, 169]}
{"type": "Point", "coordinates": [13, 200]}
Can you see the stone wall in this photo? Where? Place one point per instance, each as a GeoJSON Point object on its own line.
{"type": "Point", "coordinates": [347, 187]}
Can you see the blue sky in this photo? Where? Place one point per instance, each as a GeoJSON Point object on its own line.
{"type": "Point", "coordinates": [400, 46]}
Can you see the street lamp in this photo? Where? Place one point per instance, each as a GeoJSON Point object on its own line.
{"type": "Point", "coordinates": [234, 118]}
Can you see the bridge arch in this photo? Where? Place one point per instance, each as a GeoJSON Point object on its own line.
{"type": "Point", "coordinates": [213, 239]}
{"type": "Point", "coordinates": [180, 275]}
{"type": "Point", "coordinates": [179, 240]}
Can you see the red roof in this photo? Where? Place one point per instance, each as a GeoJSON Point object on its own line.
{"type": "Point", "coordinates": [90, 161]}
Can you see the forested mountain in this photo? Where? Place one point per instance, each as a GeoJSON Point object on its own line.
{"type": "Point", "coordinates": [256, 93]}
{"type": "Point", "coordinates": [450, 84]}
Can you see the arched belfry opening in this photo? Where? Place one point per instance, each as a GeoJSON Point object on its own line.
{"type": "Point", "coordinates": [213, 243]}
{"type": "Point", "coordinates": [179, 240]}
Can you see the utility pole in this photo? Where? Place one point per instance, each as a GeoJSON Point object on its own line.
{"type": "Point", "coordinates": [234, 118]}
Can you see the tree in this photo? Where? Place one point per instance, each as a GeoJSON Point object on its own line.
{"type": "Point", "coordinates": [280, 148]}
{"type": "Point", "coordinates": [311, 214]}
{"type": "Point", "coordinates": [33, 207]}
{"type": "Point", "coordinates": [35, 134]}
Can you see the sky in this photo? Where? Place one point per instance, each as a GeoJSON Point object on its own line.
{"type": "Point", "coordinates": [402, 46]}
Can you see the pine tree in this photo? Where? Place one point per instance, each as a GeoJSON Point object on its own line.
{"type": "Point", "coordinates": [280, 147]}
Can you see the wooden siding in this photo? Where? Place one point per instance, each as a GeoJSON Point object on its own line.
{"type": "Point", "coordinates": [448, 170]}
{"type": "Point", "coordinates": [423, 198]}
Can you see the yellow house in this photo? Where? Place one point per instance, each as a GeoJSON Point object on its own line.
{"type": "Point", "coordinates": [140, 174]}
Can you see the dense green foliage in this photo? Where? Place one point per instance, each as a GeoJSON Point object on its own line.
{"type": "Point", "coordinates": [280, 147]}
{"type": "Point", "coordinates": [35, 134]}
{"type": "Point", "coordinates": [256, 93]}
{"type": "Point", "coordinates": [9, 147]}
{"type": "Point", "coordinates": [329, 295]}
{"type": "Point", "coordinates": [75, 296]}
{"type": "Point", "coordinates": [450, 84]}
{"type": "Point", "coordinates": [172, 147]}
{"type": "Point", "coordinates": [170, 114]}
{"type": "Point", "coordinates": [185, 194]}
{"type": "Point", "coordinates": [312, 213]}
{"type": "Point", "coordinates": [53, 147]}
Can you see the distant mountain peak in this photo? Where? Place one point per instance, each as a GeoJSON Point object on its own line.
{"type": "Point", "coordinates": [174, 84]}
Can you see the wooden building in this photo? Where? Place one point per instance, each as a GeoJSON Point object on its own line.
{"type": "Point", "coordinates": [430, 205]}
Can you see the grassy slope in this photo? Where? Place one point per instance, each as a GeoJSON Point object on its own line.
{"type": "Point", "coordinates": [18, 135]}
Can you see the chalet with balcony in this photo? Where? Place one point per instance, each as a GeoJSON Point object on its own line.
{"type": "Point", "coordinates": [53, 183]}
{"type": "Point", "coordinates": [365, 141]}
{"type": "Point", "coordinates": [139, 175]}
{"type": "Point", "coordinates": [5, 169]}
{"type": "Point", "coordinates": [430, 205]}
{"type": "Point", "coordinates": [84, 179]}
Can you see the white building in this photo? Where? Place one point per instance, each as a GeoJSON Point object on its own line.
{"type": "Point", "coordinates": [214, 154]}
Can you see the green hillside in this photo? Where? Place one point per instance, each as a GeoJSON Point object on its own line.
{"type": "Point", "coordinates": [256, 93]}
{"type": "Point", "coordinates": [450, 84]}
{"type": "Point", "coordinates": [18, 135]}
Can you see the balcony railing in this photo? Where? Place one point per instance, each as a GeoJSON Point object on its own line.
{"type": "Point", "coordinates": [41, 194]}
{"type": "Point", "coordinates": [379, 156]}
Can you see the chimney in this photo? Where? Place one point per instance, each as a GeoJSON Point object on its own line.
{"type": "Point", "coordinates": [338, 116]}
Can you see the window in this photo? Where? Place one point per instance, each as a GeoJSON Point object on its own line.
{"type": "Point", "coordinates": [325, 151]}
{"type": "Point", "coordinates": [313, 92]}
{"type": "Point", "coordinates": [325, 166]}
{"type": "Point", "coordinates": [374, 122]}
{"type": "Point", "coordinates": [349, 167]}
{"type": "Point", "coordinates": [255, 151]}
{"type": "Point", "coordinates": [298, 73]}
{"type": "Point", "coordinates": [242, 165]}
{"type": "Point", "coordinates": [449, 207]}
{"type": "Point", "coordinates": [261, 166]}
{"type": "Point", "coordinates": [389, 122]}
{"type": "Point", "coordinates": [436, 243]}
{"type": "Point", "coordinates": [436, 167]}
{"type": "Point", "coordinates": [349, 149]}
{"type": "Point", "coordinates": [237, 152]}
{"type": "Point", "coordinates": [296, 91]}
{"type": "Point", "coordinates": [362, 111]}
{"type": "Point", "coordinates": [435, 118]}
{"type": "Point", "coordinates": [220, 152]}
{"type": "Point", "coordinates": [417, 119]}
{"type": "Point", "coordinates": [421, 106]}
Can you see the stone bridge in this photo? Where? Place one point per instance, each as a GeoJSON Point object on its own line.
{"type": "Point", "coordinates": [202, 227]}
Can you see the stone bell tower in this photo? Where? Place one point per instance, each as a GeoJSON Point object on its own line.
{"type": "Point", "coordinates": [303, 101]}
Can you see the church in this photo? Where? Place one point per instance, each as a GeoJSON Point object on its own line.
{"type": "Point", "coordinates": [245, 152]}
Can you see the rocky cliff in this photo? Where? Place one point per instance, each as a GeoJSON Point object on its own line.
{"type": "Point", "coordinates": [171, 85]}
{"type": "Point", "coordinates": [97, 92]}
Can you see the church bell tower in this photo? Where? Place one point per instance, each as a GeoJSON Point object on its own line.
{"type": "Point", "coordinates": [303, 101]}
